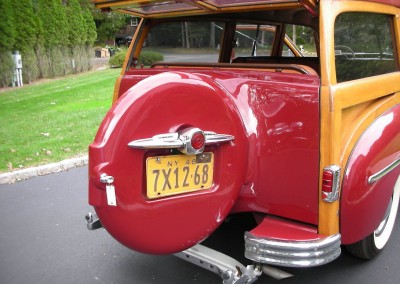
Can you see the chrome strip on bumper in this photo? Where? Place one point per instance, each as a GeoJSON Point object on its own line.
{"type": "Point", "coordinates": [292, 253]}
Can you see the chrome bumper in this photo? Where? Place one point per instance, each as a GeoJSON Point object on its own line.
{"type": "Point", "coordinates": [305, 253]}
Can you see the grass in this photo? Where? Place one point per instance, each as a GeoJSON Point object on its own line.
{"type": "Point", "coordinates": [52, 121]}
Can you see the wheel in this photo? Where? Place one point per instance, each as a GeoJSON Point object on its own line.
{"type": "Point", "coordinates": [372, 245]}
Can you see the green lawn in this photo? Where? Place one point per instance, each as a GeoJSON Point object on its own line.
{"type": "Point", "coordinates": [52, 121]}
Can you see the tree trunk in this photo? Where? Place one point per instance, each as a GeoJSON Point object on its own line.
{"type": "Point", "coordinates": [183, 34]}
{"type": "Point", "coordinates": [294, 34]}
{"type": "Point", "coordinates": [187, 35]}
{"type": "Point", "coordinates": [212, 35]}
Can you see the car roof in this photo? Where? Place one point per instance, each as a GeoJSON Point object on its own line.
{"type": "Point", "coordinates": [157, 8]}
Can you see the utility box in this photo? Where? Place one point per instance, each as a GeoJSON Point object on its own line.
{"type": "Point", "coordinates": [17, 80]}
{"type": "Point", "coordinates": [17, 60]}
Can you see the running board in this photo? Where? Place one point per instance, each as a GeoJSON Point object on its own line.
{"type": "Point", "coordinates": [229, 269]}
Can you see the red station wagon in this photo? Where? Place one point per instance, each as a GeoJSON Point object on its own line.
{"type": "Point", "coordinates": [287, 111]}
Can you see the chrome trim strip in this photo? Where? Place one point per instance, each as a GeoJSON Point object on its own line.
{"type": "Point", "coordinates": [178, 140]}
{"type": "Point", "coordinates": [377, 176]}
{"type": "Point", "coordinates": [310, 253]}
{"type": "Point", "coordinates": [161, 141]}
{"type": "Point", "coordinates": [214, 138]}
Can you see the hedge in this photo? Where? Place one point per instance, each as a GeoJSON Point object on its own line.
{"type": "Point", "coordinates": [146, 58]}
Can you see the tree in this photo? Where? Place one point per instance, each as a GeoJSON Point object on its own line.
{"type": "Point", "coordinates": [55, 33]}
{"type": "Point", "coordinates": [27, 38]}
{"type": "Point", "coordinates": [7, 39]}
{"type": "Point", "coordinates": [212, 34]}
{"type": "Point", "coordinates": [61, 23]}
{"type": "Point", "coordinates": [77, 24]}
{"type": "Point", "coordinates": [91, 33]}
{"type": "Point", "coordinates": [76, 34]}
{"type": "Point", "coordinates": [44, 8]}
{"type": "Point", "coordinates": [7, 27]}
{"type": "Point", "coordinates": [108, 24]}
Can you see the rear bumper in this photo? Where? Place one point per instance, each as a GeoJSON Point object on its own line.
{"type": "Point", "coordinates": [292, 254]}
{"type": "Point", "coordinates": [297, 246]}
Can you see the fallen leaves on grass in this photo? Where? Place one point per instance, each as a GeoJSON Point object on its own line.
{"type": "Point", "coordinates": [45, 152]}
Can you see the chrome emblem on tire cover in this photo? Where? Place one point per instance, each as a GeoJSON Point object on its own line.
{"type": "Point", "coordinates": [181, 141]}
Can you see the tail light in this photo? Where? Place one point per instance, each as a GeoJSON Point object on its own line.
{"type": "Point", "coordinates": [331, 183]}
{"type": "Point", "coordinates": [198, 140]}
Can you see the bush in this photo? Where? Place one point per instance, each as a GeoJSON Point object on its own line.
{"type": "Point", "coordinates": [148, 58]}
{"type": "Point", "coordinates": [6, 69]}
{"type": "Point", "coordinates": [30, 70]}
{"type": "Point", "coordinates": [117, 60]}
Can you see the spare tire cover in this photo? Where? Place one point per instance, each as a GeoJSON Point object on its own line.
{"type": "Point", "coordinates": [165, 103]}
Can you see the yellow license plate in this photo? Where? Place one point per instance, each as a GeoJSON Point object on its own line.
{"type": "Point", "coordinates": [171, 175]}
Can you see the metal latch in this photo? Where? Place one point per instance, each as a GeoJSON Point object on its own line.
{"type": "Point", "coordinates": [110, 189]}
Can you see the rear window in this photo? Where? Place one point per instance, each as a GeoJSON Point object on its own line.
{"type": "Point", "coordinates": [186, 41]}
{"type": "Point", "coordinates": [258, 40]}
{"type": "Point", "coordinates": [254, 40]}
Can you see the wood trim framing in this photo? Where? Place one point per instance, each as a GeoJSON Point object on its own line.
{"type": "Point", "coordinates": [345, 117]}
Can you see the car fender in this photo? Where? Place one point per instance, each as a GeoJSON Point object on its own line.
{"type": "Point", "coordinates": [364, 202]}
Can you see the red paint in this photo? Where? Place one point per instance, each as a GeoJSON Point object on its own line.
{"type": "Point", "coordinates": [285, 230]}
{"type": "Point", "coordinates": [363, 205]}
{"type": "Point", "coordinates": [281, 115]}
{"type": "Point", "coordinates": [270, 167]}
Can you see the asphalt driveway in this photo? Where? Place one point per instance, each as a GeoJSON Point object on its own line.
{"type": "Point", "coordinates": [43, 239]}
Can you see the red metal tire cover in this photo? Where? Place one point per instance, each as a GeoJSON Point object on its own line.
{"type": "Point", "coordinates": [165, 103]}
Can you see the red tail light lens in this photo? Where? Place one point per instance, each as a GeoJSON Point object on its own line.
{"type": "Point", "coordinates": [198, 141]}
{"type": "Point", "coordinates": [330, 183]}
{"type": "Point", "coordinates": [327, 181]}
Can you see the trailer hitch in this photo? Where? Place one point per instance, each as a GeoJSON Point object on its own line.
{"type": "Point", "coordinates": [229, 269]}
{"type": "Point", "coordinates": [92, 221]}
